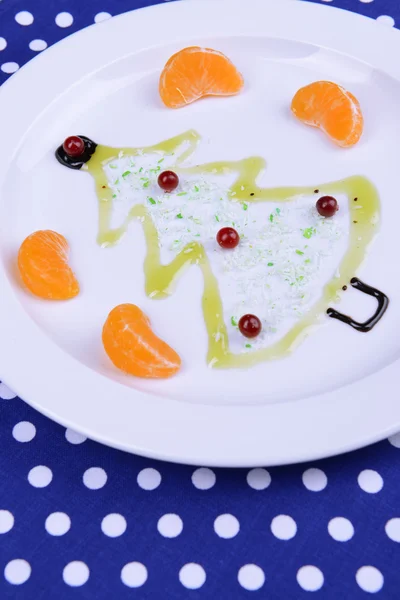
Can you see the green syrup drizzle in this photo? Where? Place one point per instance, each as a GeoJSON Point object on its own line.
{"type": "Point", "coordinates": [161, 279]}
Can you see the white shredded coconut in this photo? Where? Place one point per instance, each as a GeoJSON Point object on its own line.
{"type": "Point", "coordinates": [287, 252]}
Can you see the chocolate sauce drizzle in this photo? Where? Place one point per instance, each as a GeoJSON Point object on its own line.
{"type": "Point", "coordinates": [78, 161]}
{"type": "Point", "coordinates": [383, 303]}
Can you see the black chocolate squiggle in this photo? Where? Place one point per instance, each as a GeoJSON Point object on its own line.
{"type": "Point", "coordinates": [78, 161]}
{"type": "Point", "coordinates": [383, 303]}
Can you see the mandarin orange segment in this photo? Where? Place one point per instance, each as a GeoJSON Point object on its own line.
{"type": "Point", "coordinates": [330, 107]}
{"type": "Point", "coordinates": [196, 72]}
{"type": "Point", "coordinates": [134, 348]}
{"type": "Point", "coordinates": [43, 266]}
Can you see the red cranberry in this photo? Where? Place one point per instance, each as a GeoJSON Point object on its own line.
{"type": "Point", "coordinates": [227, 237]}
{"type": "Point", "coordinates": [74, 146]}
{"type": "Point", "coordinates": [250, 326]}
{"type": "Point", "coordinates": [168, 181]}
{"type": "Point", "coordinates": [327, 206]}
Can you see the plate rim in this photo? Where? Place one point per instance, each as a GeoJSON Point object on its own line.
{"type": "Point", "coordinates": [253, 428]}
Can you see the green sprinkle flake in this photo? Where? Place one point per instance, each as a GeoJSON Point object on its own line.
{"type": "Point", "coordinates": [160, 161]}
{"type": "Point", "coordinates": [151, 200]}
{"type": "Point", "coordinates": [197, 235]}
{"type": "Point", "coordinates": [271, 217]}
{"type": "Point", "coordinates": [116, 182]}
{"type": "Point", "coordinates": [299, 252]}
{"type": "Point", "coordinates": [278, 211]}
{"type": "Point", "coordinates": [248, 345]}
{"type": "Point", "coordinates": [114, 195]}
{"type": "Point", "coordinates": [217, 218]}
{"type": "Point", "coordinates": [141, 170]}
{"type": "Point", "coordinates": [307, 233]}
{"type": "Point", "coordinates": [233, 322]}
{"type": "Point", "coordinates": [126, 173]}
{"type": "Point", "coordinates": [113, 166]}
{"type": "Point", "coordinates": [182, 194]}
{"type": "Point", "coordinates": [270, 265]}
{"type": "Point", "coordinates": [146, 184]}
{"type": "Point", "coordinates": [245, 206]}
{"type": "Point", "coordinates": [196, 188]}
{"type": "Point", "coordinates": [307, 261]}
{"type": "Point", "coordinates": [179, 216]}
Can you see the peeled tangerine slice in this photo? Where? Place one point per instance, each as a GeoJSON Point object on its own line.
{"type": "Point", "coordinates": [330, 107]}
{"type": "Point", "coordinates": [134, 348]}
{"type": "Point", "coordinates": [196, 72]}
{"type": "Point", "coordinates": [43, 266]}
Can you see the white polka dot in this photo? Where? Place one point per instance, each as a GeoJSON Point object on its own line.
{"type": "Point", "coordinates": [102, 16]}
{"type": "Point", "coordinates": [370, 481]}
{"type": "Point", "coordinates": [149, 479]}
{"type": "Point", "coordinates": [386, 20]}
{"type": "Point", "coordinates": [9, 68]}
{"type": "Point", "coordinates": [369, 579]}
{"type": "Point", "coordinates": [310, 578]}
{"type": "Point", "coordinates": [283, 527]}
{"type": "Point", "coordinates": [394, 439]}
{"type": "Point", "coordinates": [58, 523]}
{"type": "Point", "coordinates": [251, 577]}
{"type": "Point", "coordinates": [24, 431]}
{"type": "Point", "coordinates": [392, 529]}
{"type": "Point", "coordinates": [315, 480]}
{"type": "Point", "coordinates": [192, 576]}
{"type": "Point", "coordinates": [95, 478]}
{"type": "Point", "coordinates": [64, 19]}
{"type": "Point", "coordinates": [3, 45]}
{"type": "Point", "coordinates": [5, 392]}
{"type": "Point", "coordinates": [341, 529]}
{"type": "Point", "coordinates": [24, 18]}
{"type": "Point", "coordinates": [40, 476]}
{"type": "Point", "coordinates": [6, 521]}
{"type": "Point", "coordinates": [258, 479]}
{"type": "Point", "coordinates": [113, 525]}
{"type": "Point", "coordinates": [226, 526]}
{"type": "Point", "coordinates": [366, 1]}
{"type": "Point", "coordinates": [76, 573]}
{"type": "Point", "coordinates": [17, 571]}
{"type": "Point", "coordinates": [38, 45]}
{"type": "Point", "coordinates": [203, 479]}
{"type": "Point", "coordinates": [134, 574]}
{"type": "Point", "coordinates": [170, 525]}
{"type": "Point", "coordinates": [73, 437]}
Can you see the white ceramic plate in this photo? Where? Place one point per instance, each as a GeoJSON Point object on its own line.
{"type": "Point", "coordinates": [338, 390]}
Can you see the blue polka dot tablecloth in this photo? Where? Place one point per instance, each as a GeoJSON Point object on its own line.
{"type": "Point", "coordinates": [79, 520]}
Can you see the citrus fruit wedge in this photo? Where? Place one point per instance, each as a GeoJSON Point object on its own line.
{"type": "Point", "coordinates": [134, 348]}
{"type": "Point", "coordinates": [43, 266]}
{"type": "Point", "coordinates": [330, 107]}
{"type": "Point", "coordinates": [195, 72]}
